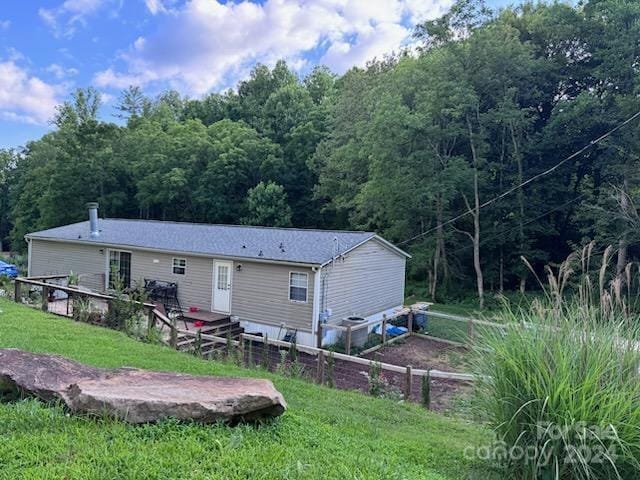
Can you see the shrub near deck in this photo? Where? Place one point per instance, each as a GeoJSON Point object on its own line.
{"type": "Point", "coordinates": [324, 434]}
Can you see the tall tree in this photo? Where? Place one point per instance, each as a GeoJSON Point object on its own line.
{"type": "Point", "coordinates": [267, 206]}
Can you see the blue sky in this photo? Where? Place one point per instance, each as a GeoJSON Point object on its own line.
{"type": "Point", "coordinates": [49, 48]}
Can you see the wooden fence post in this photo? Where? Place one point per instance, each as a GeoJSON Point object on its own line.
{"type": "Point", "coordinates": [319, 334]}
{"type": "Point", "coordinates": [470, 332]}
{"type": "Point", "coordinates": [151, 320]}
{"type": "Point", "coordinates": [320, 372]}
{"type": "Point", "coordinates": [241, 349]}
{"type": "Point", "coordinates": [16, 291]}
{"type": "Point", "coordinates": [265, 353]}
{"type": "Point", "coordinates": [410, 322]}
{"type": "Point", "coordinates": [45, 299]}
{"type": "Point", "coordinates": [173, 335]}
{"type": "Point", "coordinates": [425, 390]}
{"type": "Point", "coordinates": [347, 345]}
{"type": "Point", "coordinates": [384, 329]}
{"type": "Point", "coordinates": [408, 383]}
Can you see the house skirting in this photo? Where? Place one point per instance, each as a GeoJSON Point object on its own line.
{"type": "Point", "coordinates": [277, 333]}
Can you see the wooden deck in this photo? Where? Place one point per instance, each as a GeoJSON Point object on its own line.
{"type": "Point", "coordinates": [205, 316]}
{"type": "Point", "coordinates": [214, 323]}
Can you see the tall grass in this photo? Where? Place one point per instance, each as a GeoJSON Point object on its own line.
{"type": "Point", "coordinates": [561, 386]}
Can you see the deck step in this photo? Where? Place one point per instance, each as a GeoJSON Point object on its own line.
{"type": "Point", "coordinates": [187, 343]}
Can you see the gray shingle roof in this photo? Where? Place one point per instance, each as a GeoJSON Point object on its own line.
{"type": "Point", "coordinates": [299, 245]}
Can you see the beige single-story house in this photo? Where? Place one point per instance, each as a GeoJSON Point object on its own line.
{"type": "Point", "coordinates": [266, 277]}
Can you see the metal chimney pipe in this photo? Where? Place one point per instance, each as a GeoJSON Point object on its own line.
{"type": "Point", "coordinates": [93, 219]}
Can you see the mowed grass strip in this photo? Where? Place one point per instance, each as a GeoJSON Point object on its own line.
{"type": "Point", "coordinates": [325, 433]}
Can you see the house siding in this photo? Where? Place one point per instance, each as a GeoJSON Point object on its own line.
{"type": "Point", "coordinates": [194, 287]}
{"type": "Point", "coordinates": [259, 291]}
{"type": "Point", "coordinates": [260, 294]}
{"type": "Point", "coordinates": [368, 280]}
{"type": "Point", "coordinates": [56, 258]}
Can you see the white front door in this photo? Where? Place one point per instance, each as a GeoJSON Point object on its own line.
{"type": "Point", "coordinates": [221, 286]}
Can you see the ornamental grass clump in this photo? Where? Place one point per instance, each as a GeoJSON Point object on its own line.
{"type": "Point", "coordinates": [564, 402]}
{"type": "Point", "coordinates": [560, 385]}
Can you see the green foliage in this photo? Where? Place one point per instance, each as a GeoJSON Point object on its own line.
{"type": "Point", "coordinates": [73, 280]}
{"type": "Point", "coordinates": [126, 310]}
{"type": "Point", "coordinates": [562, 381]}
{"type": "Point", "coordinates": [566, 391]}
{"type": "Point", "coordinates": [375, 372]}
{"type": "Point", "coordinates": [267, 206]}
{"type": "Point", "coordinates": [82, 309]}
{"type": "Point", "coordinates": [379, 386]}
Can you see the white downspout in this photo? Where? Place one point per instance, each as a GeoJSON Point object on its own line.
{"type": "Point", "coordinates": [28, 257]}
{"type": "Point", "coordinates": [316, 299]}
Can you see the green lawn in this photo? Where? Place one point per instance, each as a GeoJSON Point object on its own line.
{"type": "Point", "coordinates": [324, 434]}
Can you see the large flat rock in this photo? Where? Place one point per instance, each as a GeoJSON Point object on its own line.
{"type": "Point", "coordinates": [44, 376]}
{"type": "Point", "coordinates": [138, 396]}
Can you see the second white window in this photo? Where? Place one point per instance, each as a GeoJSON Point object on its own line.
{"type": "Point", "coordinates": [179, 266]}
{"type": "Point", "coordinates": [298, 284]}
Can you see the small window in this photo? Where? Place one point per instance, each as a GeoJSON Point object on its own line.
{"type": "Point", "coordinates": [298, 287]}
{"type": "Point", "coordinates": [223, 278]}
{"type": "Point", "coordinates": [179, 266]}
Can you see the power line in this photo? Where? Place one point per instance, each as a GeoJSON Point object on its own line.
{"type": "Point", "coordinates": [528, 181]}
{"type": "Point", "coordinates": [509, 230]}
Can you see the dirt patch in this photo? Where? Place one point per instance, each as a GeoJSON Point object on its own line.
{"type": "Point", "coordinates": [422, 353]}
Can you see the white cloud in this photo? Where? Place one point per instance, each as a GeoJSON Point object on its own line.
{"type": "Point", "coordinates": [373, 43]}
{"type": "Point", "coordinates": [205, 44]}
{"type": "Point", "coordinates": [159, 6]}
{"type": "Point", "coordinates": [64, 19]}
{"type": "Point", "coordinates": [61, 72]}
{"type": "Point", "coordinates": [26, 98]}
{"type": "Point", "coordinates": [5, 24]}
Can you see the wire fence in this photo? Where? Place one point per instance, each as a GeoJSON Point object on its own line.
{"type": "Point", "coordinates": [362, 337]}
{"type": "Point", "coordinates": [430, 387]}
{"type": "Point", "coordinates": [460, 330]}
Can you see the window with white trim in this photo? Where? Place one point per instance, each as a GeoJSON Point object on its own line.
{"type": "Point", "coordinates": [298, 286]}
{"type": "Point", "coordinates": [179, 266]}
{"type": "Point", "coordinates": [119, 269]}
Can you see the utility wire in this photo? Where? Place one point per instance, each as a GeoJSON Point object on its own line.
{"type": "Point", "coordinates": [509, 230]}
{"type": "Point", "coordinates": [528, 181]}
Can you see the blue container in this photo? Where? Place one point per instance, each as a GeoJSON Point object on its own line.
{"type": "Point", "coordinates": [8, 270]}
{"type": "Point", "coordinates": [420, 320]}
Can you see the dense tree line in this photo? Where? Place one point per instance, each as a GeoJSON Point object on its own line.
{"type": "Point", "coordinates": [399, 147]}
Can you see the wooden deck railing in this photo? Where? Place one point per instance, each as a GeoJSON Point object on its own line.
{"type": "Point", "coordinates": [72, 292]}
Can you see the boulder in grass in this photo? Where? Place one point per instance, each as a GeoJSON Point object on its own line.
{"type": "Point", "coordinates": [138, 396]}
{"type": "Point", "coordinates": [43, 376]}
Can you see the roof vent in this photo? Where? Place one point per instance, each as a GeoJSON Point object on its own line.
{"type": "Point", "coordinates": [93, 219]}
{"type": "Point", "coordinates": [260, 254]}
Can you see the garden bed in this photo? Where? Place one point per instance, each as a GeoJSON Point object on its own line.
{"type": "Point", "coordinates": [352, 376]}
{"type": "Point", "coordinates": [423, 353]}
